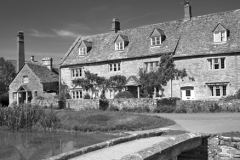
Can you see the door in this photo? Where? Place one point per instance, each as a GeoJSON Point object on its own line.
{"type": "Point", "coordinates": [187, 93]}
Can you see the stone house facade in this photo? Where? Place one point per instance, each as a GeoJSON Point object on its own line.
{"type": "Point", "coordinates": [33, 80]}
{"type": "Point", "coordinates": [206, 46]}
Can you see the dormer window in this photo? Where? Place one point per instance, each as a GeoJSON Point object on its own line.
{"type": "Point", "coordinates": [220, 34]}
{"type": "Point", "coordinates": [82, 51]}
{"type": "Point", "coordinates": [220, 37]}
{"type": "Point", "coordinates": [155, 41]}
{"type": "Point", "coordinates": [121, 42]}
{"type": "Point", "coordinates": [119, 46]}
{"type": "Point", "coordinates": [84, 47]}
{"type": "Point", "coordinates": [157, 36]}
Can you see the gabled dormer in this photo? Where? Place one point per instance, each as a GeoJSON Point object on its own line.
{"type": "Point", "coordinates": [84, 47]}
{"type": "Point", "coordinates": [220, 34]}
{"type": "Point", "coordinates": [121, 42]}
{"type": "Point", "coordinates": [156, 37]}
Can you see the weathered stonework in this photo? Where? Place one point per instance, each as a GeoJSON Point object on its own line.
{"type": "Point", "coordinates": [82, 104]}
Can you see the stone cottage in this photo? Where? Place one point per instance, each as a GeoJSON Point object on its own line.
{"type": "Point", "coordinates": [33, 78]}
{"type": "Point", "coordinates": [207, 46]}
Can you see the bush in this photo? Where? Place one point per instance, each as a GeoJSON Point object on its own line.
{"type": "Point", "coordinates": [166, 105]}
{"type": "Point", "coordinates": [4, 100]}
{"type": "Point", "coordinates": [142, 109]}
{"type": "Point", "coordinates": [113, 108]}
{"type": "Point", "coordinates": [86, 96]}
{"type": "Point", "coordinates": [40, 98]}
{"type": "Point", "coordinates": [232, 97]}
{"type": "Point", "coordinates": [124, 94]}
{"type": "Point", "coordinates": [103, 104]}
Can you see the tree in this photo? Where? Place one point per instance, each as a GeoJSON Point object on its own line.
{"type": "Point", "coordinates": [7, 74]}
{"type": "Point", "coordinates": [159, 78]}
{"type": "Point", "coordinates": [117, 81]}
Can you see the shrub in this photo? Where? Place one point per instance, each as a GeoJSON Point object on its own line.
{"type": "Point", "coordinates": [103, 104]}
{"type": "Point", "coordinates": [86, 96]}
{"type": "Point", "coordinates": [166, 105]}
{"type": "Point", "coordinates": [124, 94]}
{"type": "Point", "coordinates": [4, 100]}
{"type": "Point", "coordinates": [142, 109]}
{"type": "Point", "coordinates": [113, 108]}
{"type": "Point", "coordinates": [40, 98]}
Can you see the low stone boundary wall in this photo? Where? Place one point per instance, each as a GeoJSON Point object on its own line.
{"type": "Point", "coordinates": [46, 102]}
{"type": "Point", "coordinates": [82, 104]}
{"type": "Point", "coordinates": [81, 151]}
{"type": "Point", "coordinates": [133, 103]}
{"type": "Point", "coordinates": [221, 147]}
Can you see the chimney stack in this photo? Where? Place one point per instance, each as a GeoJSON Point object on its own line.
{"type": "Point", "coordinates": [115, 25]}
{"type": "Point", "coordinates": [187, 11]}
{"type": "Point", "coordinates": [20, 50]}
{"type": "Point", "coordinates": [47, 61]}
{"type": "Point", "coordinates": [32, 59]}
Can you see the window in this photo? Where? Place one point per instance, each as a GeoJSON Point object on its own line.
{"type": "Point", "coordinates": [188, 93]}
{"type": "Point", "coordinates": [155, 41]}
{"type": "Point", "coordinates": [76, 73]}
{"type": "Point", "coordinates": [25, 79]}
{"type": "Point", "coordinates": [218, 90]}
{"type": "Point", "coordinates": [151, 66]}
{"type": "Point", "coordinates": [216, 63]}
{"type": "Point", "coordinates": [220, 36]}
{"type": "Point", "coordinates": [113, 67]}
{"type": "Point", "coordinates": [119, 46]}
{"type": "Point", "coordinates": [82, 51]}
{"type": "Point", "coordinates": [77, 94]}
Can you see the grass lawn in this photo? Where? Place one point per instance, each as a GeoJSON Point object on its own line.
{"type": "Point", "coordinates": [95, 120]}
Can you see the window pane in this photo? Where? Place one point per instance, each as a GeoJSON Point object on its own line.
{"type": "Point", "coordinates": [224, 90]}
{"type": "Point", "coordinates": [119, 67]}
{"type": "Point", "coordinates": [110, 67]}
{"type": "Point", "coordinates": [157, 40]}
{"type": "Point", "coordinates": [222, 63]}
{"type": "Point", "coordinates": [115, 67]}
{"type": "Point", "coordinates": [188, 93]}
{"type": "Point", "coordinates": [211, 89]}
{"type": "Point", "coordinates": [80, 92]}
{"type": "Point", "coordinates": [218, 92]}
{"type": "Point", "coordinates": [216, 66]}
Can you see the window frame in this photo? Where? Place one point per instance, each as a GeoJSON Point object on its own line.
{"type": "Point", "coordinates": [119, 46]}
{"type": "Point", "coordinates": [25, 79]}
{"type": "Point", "coordinates": [82, 51]}
{"type": "Point", "coordinates": [77, 94]}
{"type": "Point", "coordinates": [156, 41]}
{"type": "Point", "coordinates": [114, 67]}
{"type": "Point", "coordinates": [151, 66]}
{"type": "Point", "coordinates": [77, 72]}
{"type": "Point", "coordinates": [212, 63]}
{"type": "Point", "coordinates": [220, 37]}
{"type": "Point", "coordinates": [218, 90]}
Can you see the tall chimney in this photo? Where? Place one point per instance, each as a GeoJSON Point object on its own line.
{"type": "Point", "coordinates": [20, 50]}
{"type": "Point", "coordinates": [187, 11]}
{"type": "Point", "coordinates": [115, 25]}
{"type": "Point", "coordinates": [47, 61]}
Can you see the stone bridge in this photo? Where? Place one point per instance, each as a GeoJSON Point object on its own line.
{"type": "Point", "coordinates": [188, 146]}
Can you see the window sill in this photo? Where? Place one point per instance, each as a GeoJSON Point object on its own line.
{"type": "Point", "coordinates": [223, 42]}
{"type": "Point", "coordinates": [156, 46]}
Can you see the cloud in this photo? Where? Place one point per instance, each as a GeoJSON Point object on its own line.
{"type": "Point", "coordinates": [65, 33]}
{"type": "Point", "coordinates": [36, 33]}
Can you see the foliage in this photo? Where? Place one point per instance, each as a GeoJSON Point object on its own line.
{"type": "Point", "coordinates": [4, 100]}
{"type": "Point", "coordinates": [103, 104]}
{"type": "Point", "coordinates": [159, 78]}
{"type": "Point", "coordinates": [232, 97]}
{"type": "Point", "coordinates": [63, 93]}
{"type": "Point", "coordinates": [40, 97]}
{"type": "Point", "coordinates": [96, 120]}
{"type": "Point", "coordinates": [26, 117]}
{"type": "Point", "coordinates": [86, 96]}
{"type": "Point", "coordinates": [117, 81]}
{"type": "Point", "coordinates": [166, 105]}
{"type": "Point", "coordinates": [92, 80]}
{"type": "Point", "coordinates": [124, 94]}
{"type": "Point", "coordinates": [7, 74]}
{"type": "Point", "coordinates": [142, 109]}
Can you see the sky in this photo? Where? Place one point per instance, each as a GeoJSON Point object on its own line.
{"type": "Point", "coordinates": [51, 26]}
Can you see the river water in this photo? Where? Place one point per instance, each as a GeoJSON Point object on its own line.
{"type": "Point", "coordinates": [40, 145]}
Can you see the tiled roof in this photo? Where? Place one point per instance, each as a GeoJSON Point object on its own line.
{"type": "Point", "coordinates": [43, 73]}
{"type": "Point", "coordinates": [132, 81]}
{"type": "Point", "coordinates": [196, 39]}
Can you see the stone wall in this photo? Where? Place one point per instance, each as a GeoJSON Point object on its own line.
{"type": "Point", "coordinates": [133, 103]}
{"type": "Point", "coordinates": [82, 104]}
{"type": "Point", "coordinates": [221, 148]}
{"type": "Point", "coordinates": [46, 102]}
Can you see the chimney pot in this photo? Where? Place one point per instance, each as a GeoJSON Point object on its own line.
{"type": "Point", "coordinates": [115, 25]}
{"type": "Point", "coordinates": [32, 58]}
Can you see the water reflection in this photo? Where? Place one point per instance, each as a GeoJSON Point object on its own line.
{"type": "Point", "coordinates": [40, 145]}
